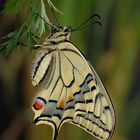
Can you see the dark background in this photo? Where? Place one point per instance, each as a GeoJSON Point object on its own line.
{"type": "Point", "coordinates": [114, 51]}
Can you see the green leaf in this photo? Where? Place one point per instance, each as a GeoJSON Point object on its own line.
{"type": "Point", "coordinates": [13, 40]}
{"type": "Point", "coordinates": [11, 6]}
{"type": "Point", "coordinates": [40, 19]}
{"type": "Point", "coordinates": [52, 5]}
{"type": "Point", "coordinates": [30, 40]}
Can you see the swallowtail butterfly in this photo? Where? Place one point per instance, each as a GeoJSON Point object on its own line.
{"type": "Point", "coordinates": [69, 89]}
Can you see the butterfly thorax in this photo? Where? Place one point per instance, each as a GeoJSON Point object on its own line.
{"type": "Point", "coordinates": [57, 36]}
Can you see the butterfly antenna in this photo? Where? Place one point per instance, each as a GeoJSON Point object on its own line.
{"type": "Point", "coordinates": [96, 22]}
{"type": "Point", "coordinates": [83, 25]}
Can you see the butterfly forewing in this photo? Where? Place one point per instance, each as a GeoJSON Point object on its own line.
{"type": "Point", "coordinates": [71, 90]}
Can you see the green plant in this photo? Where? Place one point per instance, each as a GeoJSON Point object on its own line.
{"type": "Point", "coordinates": [34, 25]}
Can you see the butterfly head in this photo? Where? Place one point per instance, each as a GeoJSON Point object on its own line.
{"type": "Point", "coordinates": [66, 29]}
{"type": "Point", "coordinates": [59, 34]}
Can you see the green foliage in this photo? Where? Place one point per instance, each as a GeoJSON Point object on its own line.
{"type": "Point", "coordinates": [16, 38]}
{"type": "Point", "coordinates": [8, 46]}
{"type": "Point", "coordinates": [35, 23]}
{"type": "Point", "coordinates": [52, 6]}
{"type": "Point", "coordinates": [11, 6]}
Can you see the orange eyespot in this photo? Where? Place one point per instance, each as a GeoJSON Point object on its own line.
{"type": "Point", "coordinates": [70, 98]}
{"type": "Point", "coordinates": [39, 103]}
{"type": "Point", "coordinates": [61, 104]}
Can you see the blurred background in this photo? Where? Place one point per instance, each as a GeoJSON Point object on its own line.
{"type": "Point", "coordinates": [113, 50]}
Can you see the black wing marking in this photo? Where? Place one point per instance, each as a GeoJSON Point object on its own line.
{"type": "Point", "coordinates": [40, 66]}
